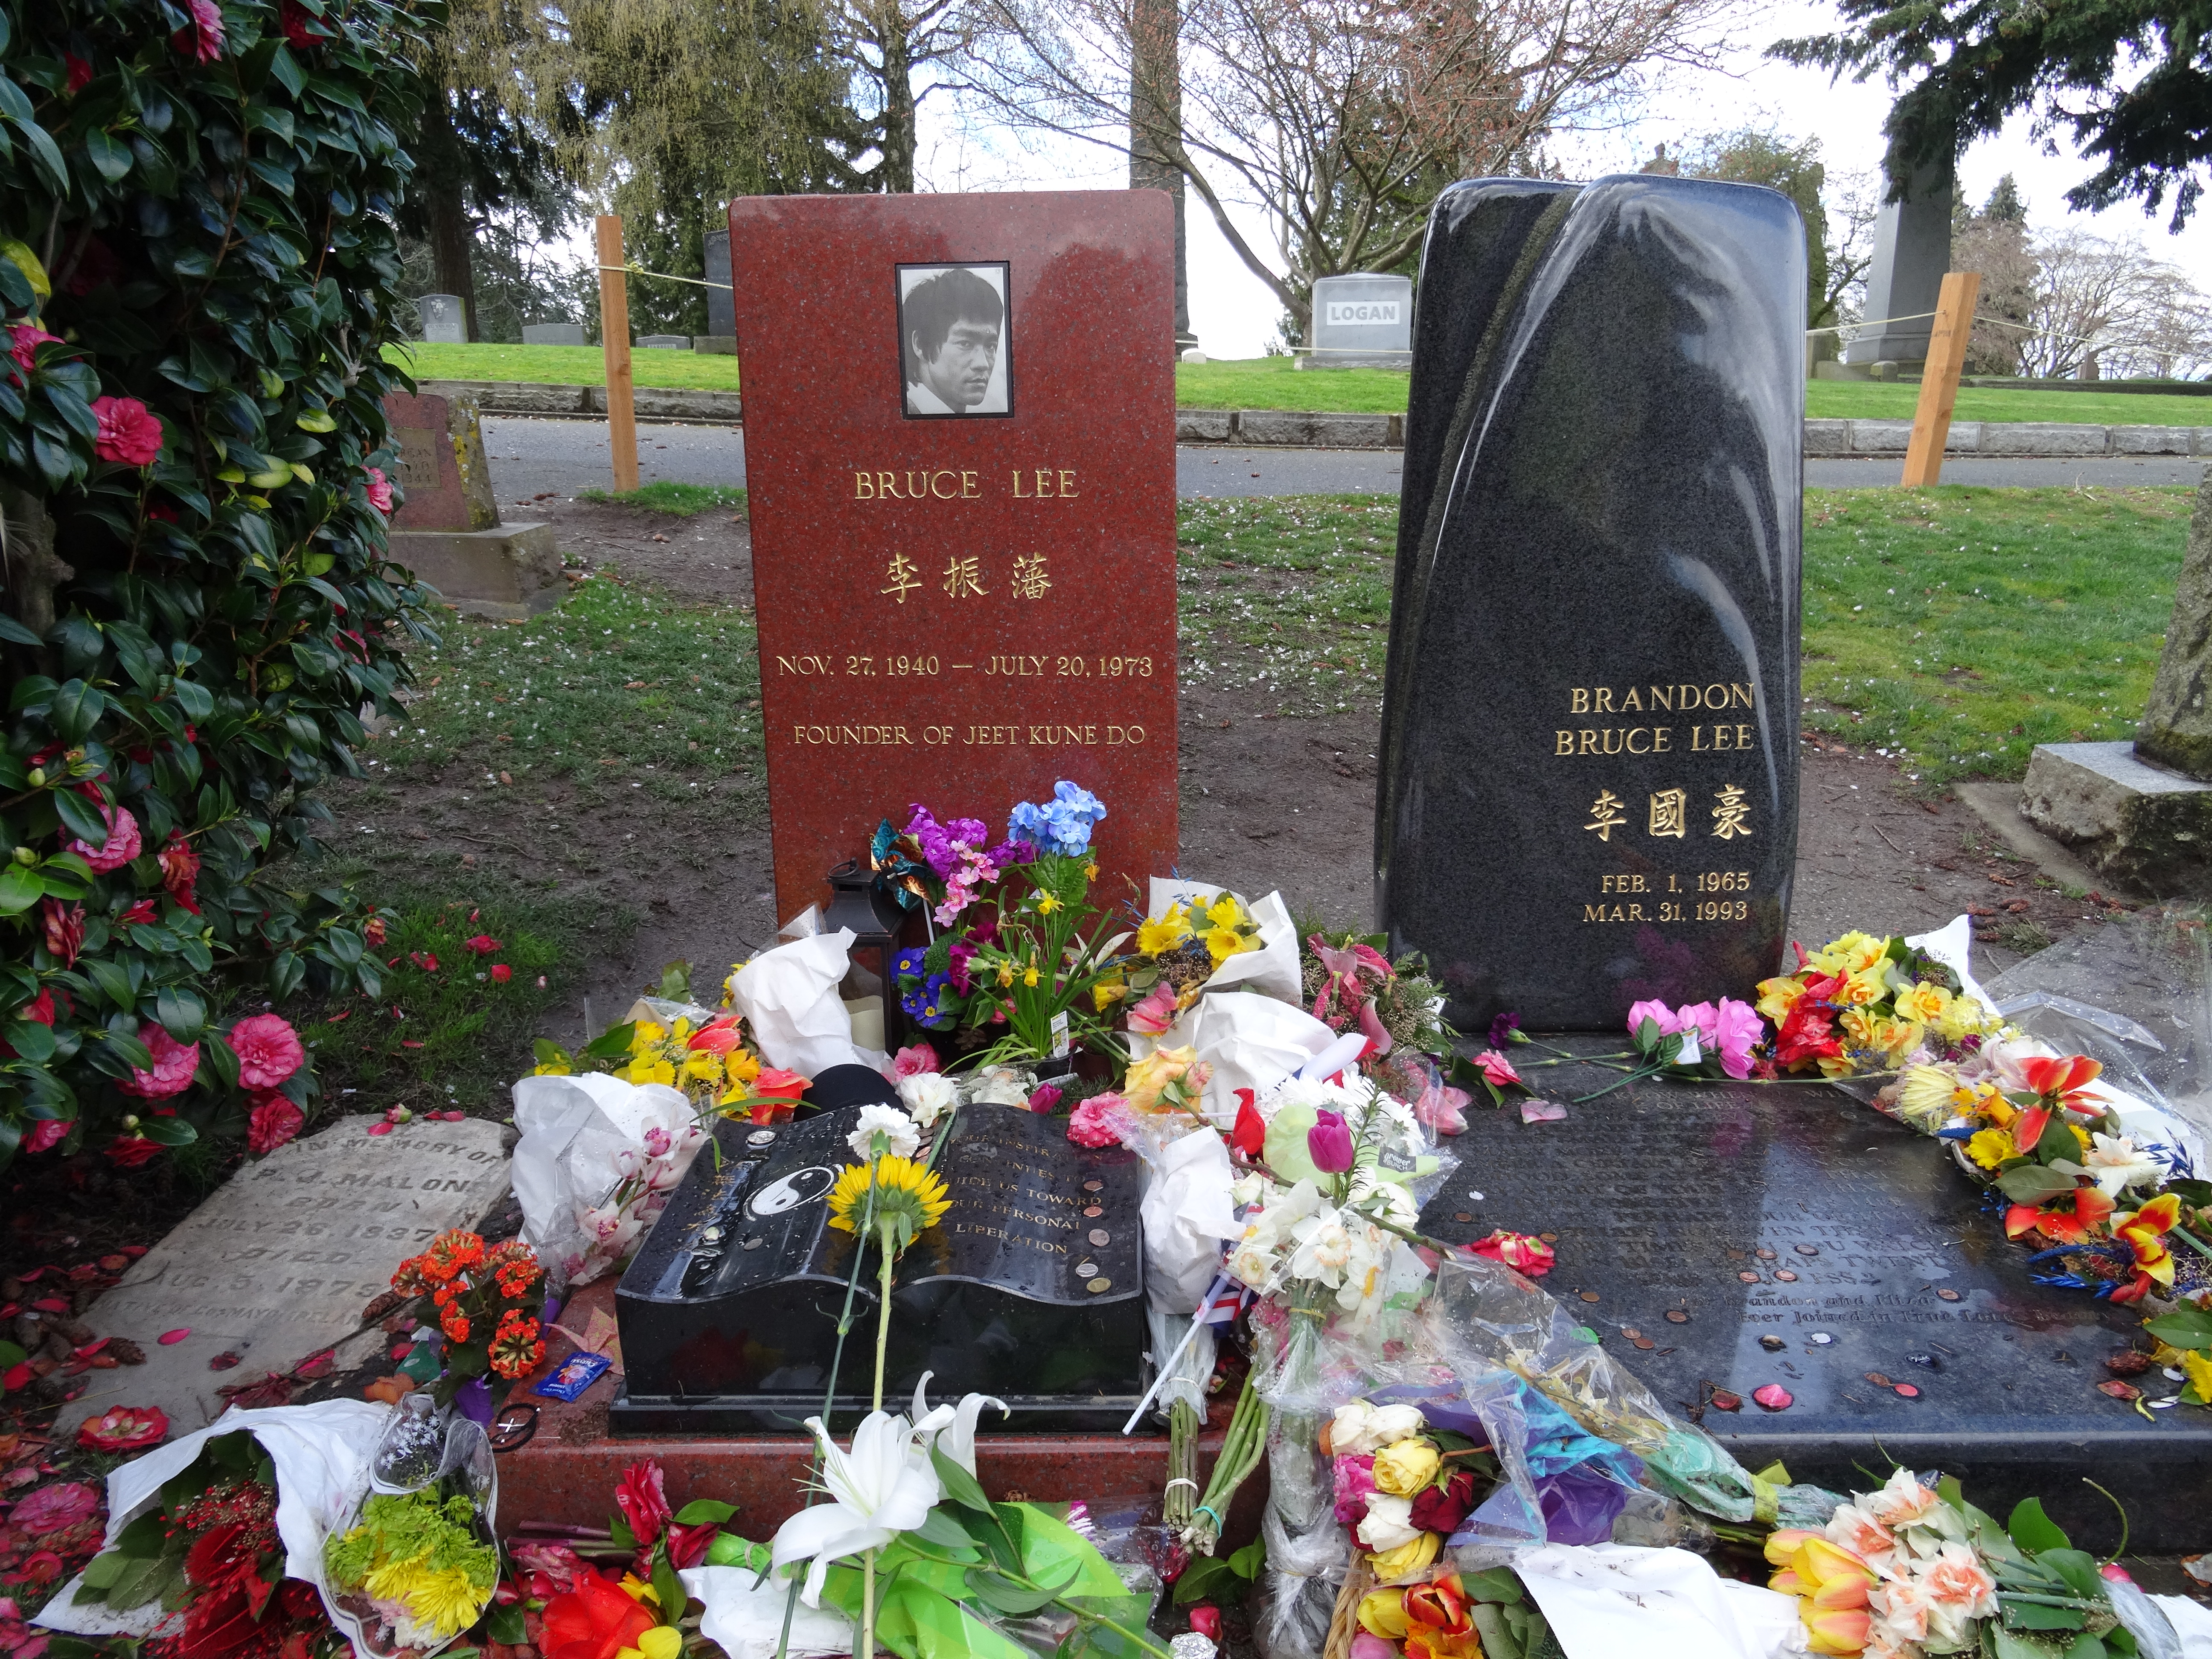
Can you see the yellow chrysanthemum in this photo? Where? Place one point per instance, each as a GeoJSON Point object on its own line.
{"type": "Point", "coordinates": [447, 1601]}
{"type": "Point", "coordinates": [1928, 1094]}
{"type": "Point", "coordinates": [1157, 938]}
{"type": "Point", "coordinates": [1990, 1147]}
{"type": "Point", "coordinates": [904, 1189]}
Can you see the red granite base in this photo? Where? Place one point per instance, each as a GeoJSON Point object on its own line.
{"type": "Point", "coordinates": [566, 1476]}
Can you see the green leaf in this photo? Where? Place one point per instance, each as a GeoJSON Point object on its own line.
{"type": "Point", "coordinates": [610, 1043]}
{"type": "Point", "coordinates": [2032, 1183]}
{"type": "Point", "coordinates": [1002, 1594]}
{"type": "Point", "coordinates": [182, 1013]}
{"type": "Point", "coordinates": [939, 1528]}
{"type": "Point", "coordinates": [2189, 1327]}
{"type": "Point", "coordinates": [2077, 1570]}
{"type": "Point", "coordinates": [81, 819]}
{"type": "Point", "coordinates": [667, 1585]}
{"type": "Point", "coordinates": [701, 1510]}
{"type": "Point", "coordinates": [2034, 1531]}
{"type": "Point", "coordinates": [1246, 1562]}
{"type": "Point", "coordinates": [31, 1040]}
{"type": "Point", "coordinates": [167, 1130]}
{"type": "Point", "coordinates": [114, 984]}
{"type": "Point", "coordinates": [15, 633]}
{"type": "Point", "coordinates": [506, 1625]}
{"type": "Point", "coordinates": [1207, 1576]}
{"type": "Point", "coordinates": [959, 1486]}
{"type": "Point", "coordinates": [11, 1355]}
{"type": "Point", "coordinates": [19, 888]}
{"type": "Point", "coordinates": [2033, 1615]}
{"type": "Point", "coordinates": [618, 1530]}
{"type": "Point", "coordinates": [110, 157]}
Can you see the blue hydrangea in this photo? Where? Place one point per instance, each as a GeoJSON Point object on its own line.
{"type": "Point", "coordinates": [1060, 825]}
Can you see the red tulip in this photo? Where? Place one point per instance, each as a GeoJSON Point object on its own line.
{"type": "Point", "coordinates": [595, 1620]}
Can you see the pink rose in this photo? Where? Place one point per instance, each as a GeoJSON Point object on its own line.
{"type": "Point", "coordinates": [1497, 1068]}
{"type": "Point", "coordinates": [29, 336]}
{"type": "Point", "coordinates": [380, 489]}
{"type": "Point", "coordinates": [272, 1123]}
{"type": "Point", "coordinates": [917, 1059]}
{"type": "Point", "coordinates": [174, 1062]}
{"type": "Point", "coordinates": [122, 846]}
{"type": "Point", "coordinates": [268, 1050]}
{"type": "Point", "coordinates": [1739, 1028]}
{"type": "Point", "coordinates": [1665, 1017]}
{"type": "Point", "coordinates": [202, 37]}
{"type": "Point", "coordinates": [128, 431]}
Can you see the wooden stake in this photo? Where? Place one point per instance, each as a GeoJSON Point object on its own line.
{"type": "Point", "coordinates": [614, 330]}
{"type": "Point", "coordinates": [1939, 383]}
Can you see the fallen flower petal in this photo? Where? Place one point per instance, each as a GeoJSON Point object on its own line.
{"type": "Point", "coordinates": [170, 1339]}
{"type": "Point", "coordinates": [1773, 1396]}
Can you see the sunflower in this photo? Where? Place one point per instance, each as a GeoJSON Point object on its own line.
{"type": "Point", "coordinates": [907, 1196]}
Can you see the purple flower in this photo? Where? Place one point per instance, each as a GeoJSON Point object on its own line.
{"type": "Point", "coordinates": [962, 954]}
{"type": "Point", "coordinates": [1505, 1029]}
{"type": "Point", "coordinates": [1328, 1143]}
{"type": "Point", "coordinates": [1007, 854]}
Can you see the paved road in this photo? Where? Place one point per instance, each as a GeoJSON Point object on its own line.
{"type": "Point", "coordinates": [529, 457]}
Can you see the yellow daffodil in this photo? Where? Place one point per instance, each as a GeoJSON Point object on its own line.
{"type": "Point", "coordinates": [1853, 953]}
{"type": "Point", "coordinates": [702, 1066]}
{"type": "Point", "coordinates": [1224, 912]}
{"type": "Point", "coordinates": [662, 1642]}
{"type": "Point", "coordinates": [1778, 996]}
{"type": "Point", "coordinates": [1108, 991]}
{"type": "Point", "coordinates": [1047, 904]}
{"type": "Point", "coordinates": [658, 1070]}
{"type": "Point", "coordinates": [1158, 937]}
{"type": "Point", "coordinates": [557, 1066]}
{"type": "Point", "coordinates": [1990, 1147]}
{"type": "Point", "coordinates": [2198, 1367]}
{"type": "Point", "coordinates": [741, 1065]}
{"type": "Point", "coordinates": [1030, 975]}
{"type": "Point", "coordinates": [680, 1033]}
{"type": "Point", "coordinates": [1005, 973]}
{"type": "Point", "coordinates": [1222, 942]}
{"type": "Point", "coordinates": [639, 1590]}
{"type": "Point", "coordinates": [1925, 1002]}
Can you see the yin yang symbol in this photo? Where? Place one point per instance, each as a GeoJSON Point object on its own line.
{"type": "Point", "coordinates": [800, 1187]}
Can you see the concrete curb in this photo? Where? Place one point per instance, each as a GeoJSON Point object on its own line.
{"type": "Point", "coordinates": [1290, 428]}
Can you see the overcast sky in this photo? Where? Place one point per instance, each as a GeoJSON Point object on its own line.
{"type": "Point", "coordinates": [1234, 315]}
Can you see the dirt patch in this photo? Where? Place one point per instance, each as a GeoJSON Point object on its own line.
{"type": "Point", "coordinates": [707, 557]}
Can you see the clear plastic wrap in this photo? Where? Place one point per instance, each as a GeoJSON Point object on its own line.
{"type": "Point", "coordinates": [1308, 1552]}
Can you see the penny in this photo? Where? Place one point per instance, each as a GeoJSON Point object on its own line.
{"type": "Point", "coordinates": [1100, 1236]}
{"type": "Point", "coordinates": [1785, 1275]}
{"type": "Point", "coordinates": [1589, 1295]}
{"type": "Point", "coordinates": [1098, 1284]}
{"type": "Point", "coordinates": [1086, 1268]}
{"type": "Point", "coordinates": [1948, 1295]}
{"type": "Point", "coordinates": [1645, 1343]}
{"type": "Point", "coordinates": [1765, 1254]}
{"type": "Point", "coordinates": [1462, 1215]}
{"type": "Point", "coordinates": [1772, 1343]}
{"type": "Point", "coordinates": [1878, 1379]}
{"type": "Point", "coordinates": [1735, 1255]}
{"type": "Point", "coordinates": [1630, 1331]}
{"type": "Point", "coordinates": [1677, 1316]}
{"type": "Point", "coordinates": [1663, 1353]}
{"type": "Point", "coordinates": [1809, 1249]}
{"type": "Point", "coordinates": [1549, 1238]}
{"type": "Point", "coordinates": [1094, 1186]}
{"type": "Point", "coordinates": [1748, 1278]}
{"type": "Point", "coordinates": [1094, 1209]}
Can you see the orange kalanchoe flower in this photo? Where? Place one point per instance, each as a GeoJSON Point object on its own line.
{"type": "Point", "coordinates": [2063, 1080]}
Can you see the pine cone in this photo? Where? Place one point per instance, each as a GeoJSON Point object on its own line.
{"type": "Point", "coordinates": [2127, 1362]}
{"type": "Point", "coordinates": [125, 1350]}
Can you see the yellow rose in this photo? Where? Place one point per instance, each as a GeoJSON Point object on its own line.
{"type": "Point", "coordinates": [1405, 1467]}
{"type": "Point", "coordinates": [1149, 1077]}
{"type": "Point", "coordinates": [1778, 996]}
{"type": "Point", "coordinates": [1382, 1613]}
{"type": "Point", "coordinates": [1990, 1147]}
{"type": "Point", "coordinates": [1407, 1558]}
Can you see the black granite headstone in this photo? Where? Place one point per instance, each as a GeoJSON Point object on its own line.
{"type": "Point", "coordinates": [1588, 790]}
{"type": "Point", "coordinates": [1723, 1236]}
{"type": "Point", "coordinates": [1029, 1288]}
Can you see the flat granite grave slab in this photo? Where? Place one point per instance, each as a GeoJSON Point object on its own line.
{"type": "Point", "coordinates": [1805, 1239]}
{"type": "Point", "coordinates": [281, 1261]}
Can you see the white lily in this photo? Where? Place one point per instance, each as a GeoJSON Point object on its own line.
{"type": "Point", "coordinates": [883, 1487]}
{"type": "Point", "coordinates": [2116, 1162]}
{"type": "Point", "coordinates": [952, 1428]}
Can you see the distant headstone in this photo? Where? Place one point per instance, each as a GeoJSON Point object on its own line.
{"type": "Point", "coordinates": [1029, 1288]}
{"type": "Point", "coordinates": [1839, 1254]}
{"type": "Point", "coordinates": [553, 334]}
{"type": "Point", "coordinates": [1587, 789]}
{"type": "Point", "coordinates": [1361, 322]}
{"type": "Point", "coordinates": [1912, 252]}
{"type": "Point", "coordinates": [280, 1261]}
{"type": "Point", "coordinates": [664, 342]}
{"type": "Point", "coordinates": [721, 303]}
{"type": "Point", "coordinates": [447, 529]}
{"type": "Point", "coordinates": [445, 320]}
{"type": "Point", "coordinates": [963, 508]}
{"type": "Point", "coordinates": [2142, 813]}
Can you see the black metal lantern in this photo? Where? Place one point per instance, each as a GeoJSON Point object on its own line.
{"type": "Point", "coordinates": [873, 909]}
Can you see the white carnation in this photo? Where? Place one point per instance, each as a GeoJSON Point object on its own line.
{"type": "Point", "coordinates": [901, 1138]}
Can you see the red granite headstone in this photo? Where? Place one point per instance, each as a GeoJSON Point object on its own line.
{"type": "Point", "coordinates": [960, 451]}
{"type": "Point", "coordinates": [443, 472]}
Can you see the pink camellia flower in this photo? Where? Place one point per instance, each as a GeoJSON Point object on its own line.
{"type": "Point", "coordinates": [46, 1134]}
{"type": "Point", "coordinates": [141, 914]}
{"type": "Point", "coordinates": [272, 1122]}
{"type": "Point", "coordinates": [380, 489]}
{"type": "Point", "coordinates": [174, 1062]}
{"type": "Point", "coordinates": [28, 337]}
{"type": "Point", "coordinates": [1101, 1121]}
{"type": "Point", "coordinates": [123, 843]}
{"type": "Point", "coordinates": [59, 1508]}
{"type": "Point", "coordinates": [128, 431]}
{"type": "Point", "coordinates": [1497, 1068]}
{"type": "Point", "coordinates": [268, 1050]}
{"type": "Point", "coordinates": [124, 1428]}
{"type": "Point", "coordinates": [202, 37]}
{"type": "Point", "coordinates": [63, 930]}
{"type": "Point", "coordinates": [501, 972]}
{"type": "Point", "coordinates": [915, 1059]}
{"type": "Point", "coordinates": [79, 72]}
{"type": "Point", "coordinates": [482, 945]}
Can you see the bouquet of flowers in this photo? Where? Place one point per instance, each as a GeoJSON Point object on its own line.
{"type": "Point", "coordinates": [415, 1568]}
{"type": "Point", "coordinates": [208, 1550]}
{"type": "Point", "coordinates": [1177, 952]}
{"type": "Point", "coordinates": [487, 1301]}
{"type": "Point", "coordinates": [1862, 1003]}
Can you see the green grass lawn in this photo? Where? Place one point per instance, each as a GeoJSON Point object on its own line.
{"type": "Point", "coordinates": [1272, 383]}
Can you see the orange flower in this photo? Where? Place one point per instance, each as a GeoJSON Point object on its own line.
{"type": "Point", "coordinates": [1838, 1630]}
{"type": "Point", "coordinates": [455, 1326]}
{"type": "Point", "coordinates": [2144, 1233]}
{"type": "Point", "coordinates": [2027, 1128]}
{"type": "Point", "coordinates": [516, 1350]}
{"type": "Point", "coordinates": [2091, 1210]}
{"type": "Point", "coordinates": [2063, 1080]}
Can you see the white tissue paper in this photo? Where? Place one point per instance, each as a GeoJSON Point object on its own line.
{"type": "Point", "coordinates": [746, 1618]}
{"type": "Point", "coordinates": [321, 1455]}
{"type": "Point", "coordinates": [582, 1138]}
{"type": "Point", "coordinates": [789, 999]}
{"type": "Point", "coordinates": [1186, 1213]}
{"type": "Point", "coordinates": [1605, 1600]}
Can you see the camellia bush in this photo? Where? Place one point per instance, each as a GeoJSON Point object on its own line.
{"type": "Point", "coordinates": [197, 262]}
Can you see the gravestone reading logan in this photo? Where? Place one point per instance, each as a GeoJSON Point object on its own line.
{"type": "Point", "coordinates": [1588, 786]}
{"type": "Point", "coordinates": [1722, 1237]}
{"type": "Point", "coordinates": [1029, 1288]}
{"type": "Point", "coordinates": [1361, 322]}
{"type": "Point", "coordinates": [448, 529]}
{"type": "Point", "coordinates": [960, 454]}
{"type": "Point", "coordinates": [281, 1261]}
